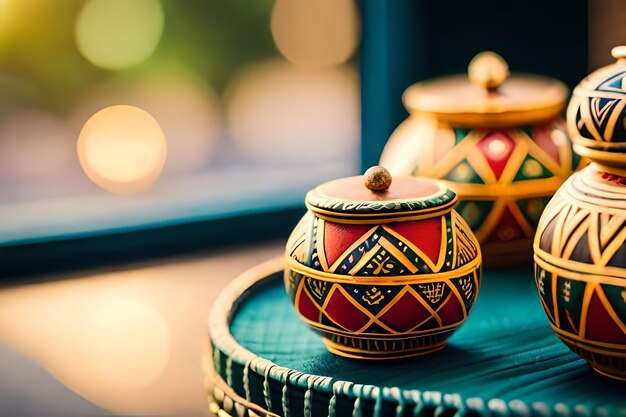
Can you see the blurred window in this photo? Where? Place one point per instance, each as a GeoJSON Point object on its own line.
{"type": "Point", "coordinates": [121, 114]}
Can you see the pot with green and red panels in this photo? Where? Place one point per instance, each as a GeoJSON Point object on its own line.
{"type": "Point", "coordinates": [382, 268]}
{"type": "Point", "coordinates": [497, 140]}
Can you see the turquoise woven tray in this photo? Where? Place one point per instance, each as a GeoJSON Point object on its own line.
{"type": "Point", "coordinates": [504, 361]}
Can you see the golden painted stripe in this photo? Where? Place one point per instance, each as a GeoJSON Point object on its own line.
{"type": "Point", "coordinates": [575, 338]}
{"type": "Point", "coordinates": [399, 255]}
{"type": "Point", "coordinates": [352, 247]}
{"type": "Point", "coordinates": [562, 170]}
{"type": "Point", "coordinates": [384, 280]}
{"type": "Point", "coordinates": [365, 259]}
{"type": "Point", "coordinates": [582, 325]}
{"type": "Point", "coordinates": [479, 163]}
{"type": "Point", "coordinates": [616, 113]}
{"type": "Point", "coordinates": [580, 271]}
{"type": "Point", "coordinates": [452, 159]}
{"type": "Point", "coordinates": [592, 239]}
{"type": "Point", "coordinates": [378, 218]}
{"type": "Point", "coordinates": [609, 309]}
{"type": "Point", "coordinates": [415, 249]}
{"type": "Point", "coordinates": [321, 252]}
{"type": "Point", "coordinates": [411, 353]}
{"type": "Point", "coordinates": [528, 230]}
{"type": "Point", "coordinates": [613, 247]}
{"type": "Point", "coordinates": [612, 157]}
{"type": "Point", "coordinates": [555, 305]}
{"type": "Point", "coordinates": [393, 336]}
{"type": "Point", "coordinates": [519, 189]}
{"type": "Point", "coordinates": [515, 161]}
{"type": "Point", "coordinates": [492, 220]}
{"type": "Point", "coordinates": [425, 304]}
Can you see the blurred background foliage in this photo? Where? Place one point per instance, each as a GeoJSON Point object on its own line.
{"type": "Point", "coordinates": [41, 67]}
{"type": "Point", "coordinates": [263, 86]}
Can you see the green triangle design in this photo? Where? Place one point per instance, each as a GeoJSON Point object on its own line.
{"type": "Point", "coordinates": [474, 212]}
{"type": "Point", "coordinates": [460, 134]}
{"type": "Point", "coordinates": [532, 208]}
{"type": "Point", "coordinates": [464, 173]}
{"type": "Point", "coordinates": [532, 169]}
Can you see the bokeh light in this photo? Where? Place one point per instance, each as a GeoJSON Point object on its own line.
{"type": "Point", "coordinates": [123, 339]}
{"type": "Point", "coordinates": [316, 34]}
{"type": "Point", "coordinates": [128, 342]}
{"type": "Point", "coordinates": [99, 334]}
{"type": "Point", "coordinates": [277, 112]}
{"type": "Point", "coordinates": [117, 34]}
{"type": "Point", "coordinates": [186, 108]}
{"type": "Point", "coordinates": [122, 149]}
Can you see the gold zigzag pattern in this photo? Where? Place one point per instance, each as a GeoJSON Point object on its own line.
{"type": "Point", "coordinates": [454, 242]}
{"type": "Point", "coordinates": [303, 291]}
{"type": "Point", "coordinates": [600, 112]}
{"type": "Point", "coordinates": [604, 235]}
{"type": "Point", "coordinates": [384, 243]}
{"type": "Point", "coordinates": [438, 154]}
{"type": "Point", "coordinates": [466, 250]}
{"type": "Point", "coordinates": [605, 232]}
{"type": "Point", "coordinates": [592, 115]}
{"type": "Point", "coordinates": [502, 191]}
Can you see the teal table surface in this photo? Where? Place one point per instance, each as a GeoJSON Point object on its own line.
{"type": "Point", "coordinates": [505, 360]}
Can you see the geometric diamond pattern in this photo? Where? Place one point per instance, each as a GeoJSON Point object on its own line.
{"type": "Point", "coordinates": [362, 308]}
{"type": "Point", "coordinates": [502, 167]}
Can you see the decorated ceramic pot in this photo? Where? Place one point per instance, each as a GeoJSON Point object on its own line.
{"type": "Point", "coordinates": [580, 246]}
{"type": "Point", "coordinates": [381, 268]}
{"type": "Point", "coordinates": [497, 140]}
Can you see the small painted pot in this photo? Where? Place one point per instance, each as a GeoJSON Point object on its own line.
{"type": "Point", "coordinates": [497, 140]}
{"type": "Point", "coordinates": [382, 269]}
{"type": "Point", "coordinates": [580, 246]}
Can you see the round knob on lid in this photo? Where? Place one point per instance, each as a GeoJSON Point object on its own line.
{"type": "Point", "coordinates": [619, 52]}
{"type": "Point", "coordinates": [488, 70]}
{"type": "Point", "coordinates": [377, 178]}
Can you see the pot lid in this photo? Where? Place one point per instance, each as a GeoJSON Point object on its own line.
{"type": "Point", "coordinates": [375, 197]}
{"type": "Point", "coordinates": [488, 96]}
{"type": "Point", "coordinates": [596, 115]}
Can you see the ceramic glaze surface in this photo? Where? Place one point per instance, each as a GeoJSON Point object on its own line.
{"type": "Point", "coordinates": [504, 177]}
{"type": "Point", "coordinates": [393, 285]}
{"type": "Point", "coordinates": [580, 256]}
{"type": "Point", "coordinates": [580, 246]}
{"type": "Point", "coordinates": [596, 114]}
{"type": "Point", "coordinates": [502, 150]}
